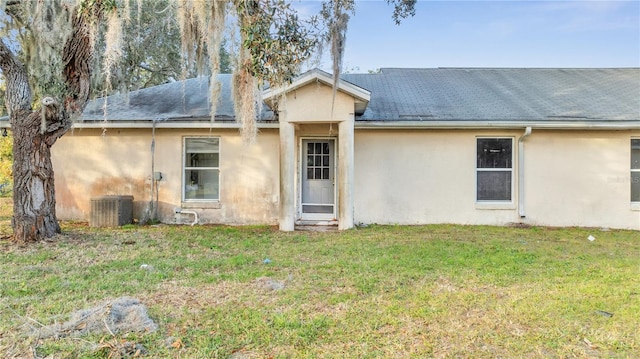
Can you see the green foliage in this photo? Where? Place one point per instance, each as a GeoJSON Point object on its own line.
{"type": "Point", "coordinates": [277, 39]}
{"type": "Point", "coordinates": [150, 51]}
{"type": "Point", "coordinates": [402, 9]}
{"type": "Point", "coordinates": [6, 161]}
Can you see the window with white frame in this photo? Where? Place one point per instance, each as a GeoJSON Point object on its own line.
{"type": "Point", "coordinates": [494, 169]}
{"type": "Point", "coordinates": [635, 170]}
{"type": "Point", "coordinates": [201, 178]}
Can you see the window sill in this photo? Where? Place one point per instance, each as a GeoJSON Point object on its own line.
{"type": "Point", "coordinates": [495, 205]}
{"type": "Point", "coordinates": [635, 206]}
{"type": "Point", "coordinates": [202, 205]}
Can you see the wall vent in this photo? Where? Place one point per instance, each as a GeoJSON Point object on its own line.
{"type": "Point", "coordinates": [111, 211]}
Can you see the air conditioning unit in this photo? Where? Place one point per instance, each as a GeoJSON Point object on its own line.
{"type": "Point", "coordinates": [111, 211]}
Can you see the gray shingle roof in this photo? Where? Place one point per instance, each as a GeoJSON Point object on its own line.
{"type": "Point", "coordinates": [181, 100]}
{"type": "Point", "coordinates": [501, 94]}
{"type": "Point", "coordinates": [444, 94]}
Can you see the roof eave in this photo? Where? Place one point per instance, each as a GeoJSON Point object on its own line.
{"type": "Point", "coordinates": [170, 124]}
{"type": "Point", "coordinates": [492, 124]}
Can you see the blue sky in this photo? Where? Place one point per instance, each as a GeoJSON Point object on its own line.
{"type": "Point", "coordinates": [495, 34]}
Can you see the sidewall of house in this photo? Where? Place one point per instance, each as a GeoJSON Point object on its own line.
{"type": "Point", "coordinates": [580, 179]}
{"type": "Point", "coordinates": [571, 178]}
{"type": "Point", "coordinates": [88, 164]}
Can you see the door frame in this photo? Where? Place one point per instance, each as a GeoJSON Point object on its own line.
{"type": "Point", "coordinates": [299, 170]}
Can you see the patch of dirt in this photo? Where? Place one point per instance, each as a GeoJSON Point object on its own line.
{"type": "Point", "coordinates": [268, 284]}
{"type": "Point", "coordinates": [443, 284]}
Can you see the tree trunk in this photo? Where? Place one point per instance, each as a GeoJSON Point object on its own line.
{"type": "Point", "coordinates": [34, 198]}
{"type": "Point", "coordinates": [34, 132]}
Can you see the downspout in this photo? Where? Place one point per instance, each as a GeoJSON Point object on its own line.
{"type": "Point", "coordinates": [526, 134]}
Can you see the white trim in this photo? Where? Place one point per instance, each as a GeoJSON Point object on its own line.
{"type": "Point", "coordinates": [635, 205]}
{"type": "Point", "coordinates": [202, 204]}
{"type": "Point", "coordinates": [374, 125]}
{"type": "Point", "coordinates": [180, 124]}
{"type": "Point", "coordinates": [199, 203]}
{"type": "Point", "coordinates": [496, 125]}
{"type": "Point", "coordinates": [321, 76]}
{"type": "Point", "coordinates": [300, 216]}
{"type": "Point", "coordinates": [495, 204]}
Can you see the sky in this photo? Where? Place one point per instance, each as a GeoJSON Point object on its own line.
{"type": "Point", "coordinates": [485, 33]}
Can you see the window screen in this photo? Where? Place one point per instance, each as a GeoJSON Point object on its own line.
{"type": "Point", "coordinates": [494, 169]}
{"type": "Point", "coordinates": [635, 170]}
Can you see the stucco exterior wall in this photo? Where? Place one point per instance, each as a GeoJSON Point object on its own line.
{"type": "Point", "coordinates": [580, 179]}
{"type": "Point", "coordinates": [89, 165]}
{"type": "Point", "coordinates": [572, 178]}
{"type": "Point", "coordinates": [310, 111]}
{"type": "Point", "coordinates": [313, 103]}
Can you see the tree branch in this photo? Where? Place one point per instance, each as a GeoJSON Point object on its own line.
{"type": "Point", "coordinates": [78, 54]}
{"type": "Point", "coordinates": [77, 65]}
{"type": "Point", "coordinates": [18, 92]}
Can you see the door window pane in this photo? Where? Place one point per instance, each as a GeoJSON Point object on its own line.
{"type": "Point", "coordinates": [318, 161]}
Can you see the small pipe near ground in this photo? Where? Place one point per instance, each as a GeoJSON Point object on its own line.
{"type": "Point", "coordinates": [194, 213]}
{"type": "Point", "coordinates": [521, 209]}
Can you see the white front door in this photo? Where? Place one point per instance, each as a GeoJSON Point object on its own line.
{"type": "Point", "coordinates": [318, 179]}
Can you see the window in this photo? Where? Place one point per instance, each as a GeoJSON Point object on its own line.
{"type": "Point", "coordinates": [494, 169]}
{"type": "Point", "coordinates": [201, 169]}
{"type": "Point", "coordinates": [635, 170]}
{"type": "Point", "coordinates": [318, 160]}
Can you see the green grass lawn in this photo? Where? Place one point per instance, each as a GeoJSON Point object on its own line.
{"type": "Point", "coordinates": [375, 292]}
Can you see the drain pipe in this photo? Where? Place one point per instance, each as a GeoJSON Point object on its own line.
{"type": "Point", "coordinates": [195, 214]}
{"type": "Point", "coordinates": [526, 134]}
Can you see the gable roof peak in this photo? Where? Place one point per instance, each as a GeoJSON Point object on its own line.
{"type": "Point", "coordinates": [361, 95]}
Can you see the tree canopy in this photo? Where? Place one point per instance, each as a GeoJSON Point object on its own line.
{"type": "Point", "coordinates": [56, 54]}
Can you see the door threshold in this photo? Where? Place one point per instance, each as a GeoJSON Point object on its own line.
{"type": "Point", "coordinates": [315, 222]}
{"type": "Point", "coordinates": [308, 225]}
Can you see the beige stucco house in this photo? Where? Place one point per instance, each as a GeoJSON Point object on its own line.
{"type": "Point", "coordinates": [556, 147]}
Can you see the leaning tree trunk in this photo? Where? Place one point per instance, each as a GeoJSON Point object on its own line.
{"type": "Point", "coordinates": [34, 132]}
{"type": "Point", "coordinates": [34, 200]}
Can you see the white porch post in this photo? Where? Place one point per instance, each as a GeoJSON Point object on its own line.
{"type": "Point", "coordinates": [345, 174]}
{"type": "Point", "coordinates": [287, 176]}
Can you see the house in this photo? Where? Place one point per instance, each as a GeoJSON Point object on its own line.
{"type": "Point", "coordinates": [556, 147]}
